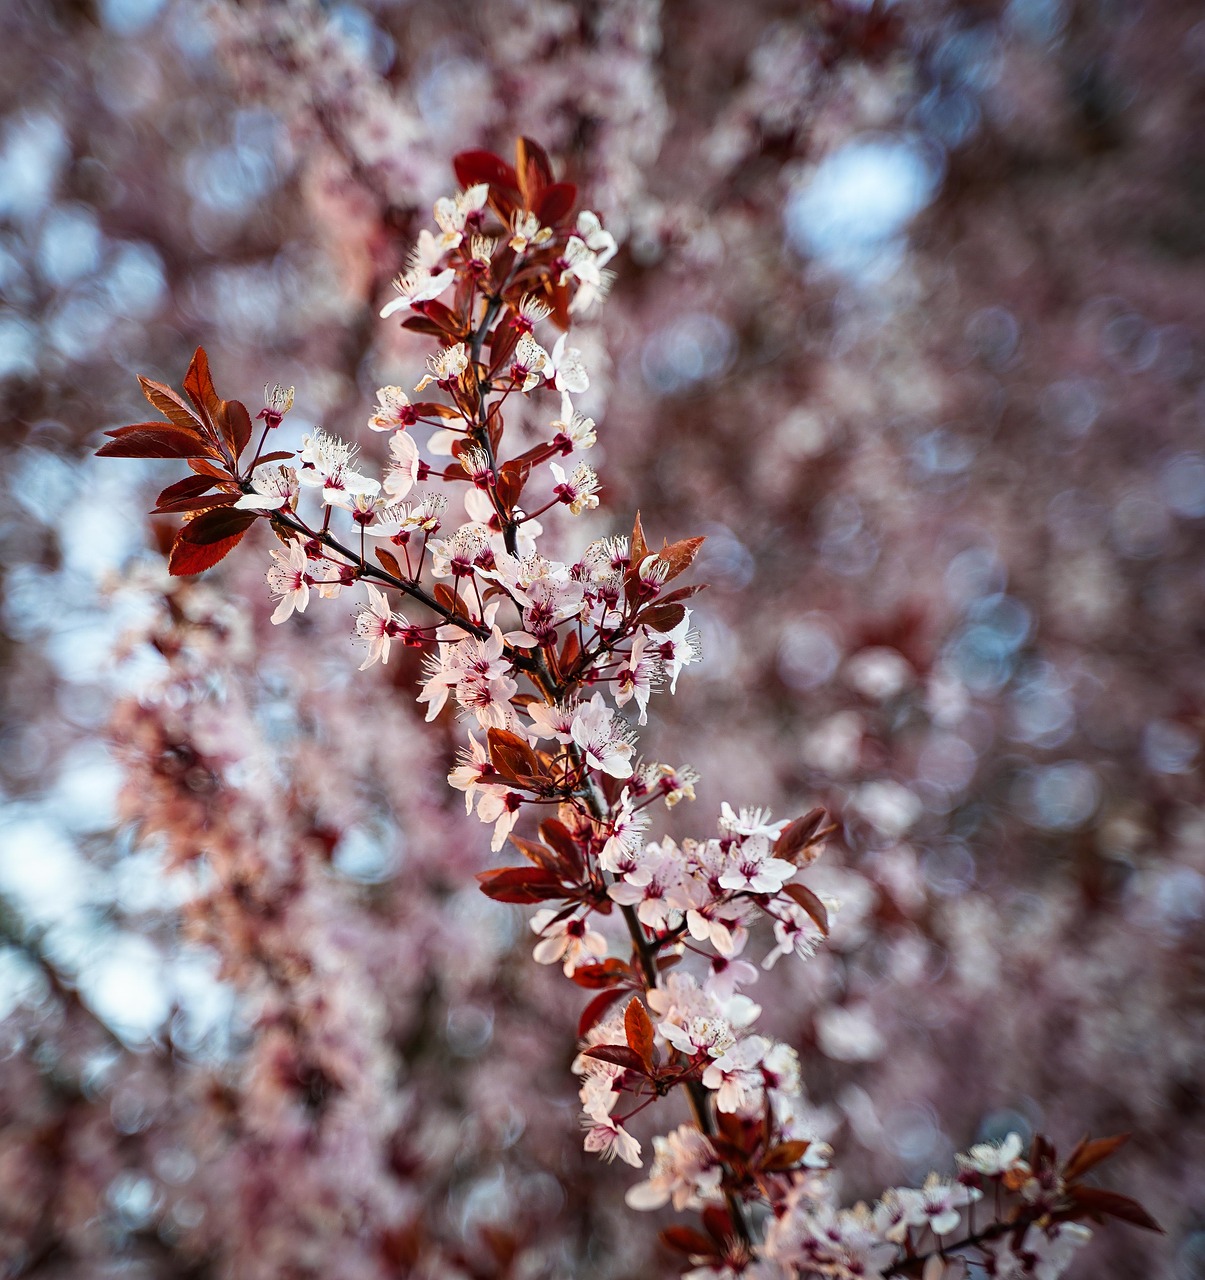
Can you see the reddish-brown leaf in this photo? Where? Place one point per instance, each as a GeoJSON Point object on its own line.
{"type": "Point", "coordinates": [558, 836]}
{"type": "Point", "coordinates": [1098, 1201]}
{"type": "Point", "coordinates": [234, 422]}
{"type": "Point", "coordinates": [799, 839]}
{"type": "Point", "coordinates": [639, 1030]}
{"type": "Point", "coordinates": [619, 1054]}
{"type": "Point", "coordinates": [640, 548]}
{"type": "Point", "coordinates": [661, 617]}
{"type": "Point", "coordinates": [555, 203]}
{"type": "Point", "coordinates": [155, 440]}
{"type": "Point", "coordinates": [520, 884]}
{"type": "Point", "coordinates": [204, 502]}
{"type": "Point", "coordinates": [511, 755]}
{"type": "Point", "coordinates": [681, 593]}
{"type": "Point", "coordinates": [446, 597]}
{"type": "Point", "coordinates": [784, 1156]}
{"type": "Point", "coordinates": [511, 479]}
{"type": "Point", "coordinates": [689, 1241]}
{"type": "Point", "coordinates": [187, 558]}
{"type": "Point", "coordinates": [679, 555]}
{"type": "Point", "coordinates": [533, 169]}
{"type": "Point", "coordinates": [198, 385]}
{"type": "Point", "coordinates": [570, 651]}
{"type": "Point", "coordinates": [1090, 1152]}
{"type": "Point", "coordinates": [279, 456]}
{"type": "Point", "coordinates": [424, 325]}
{"type": "Point", "coordinates": [432, 409]}
{"type": "Point", "coordinates": [189, 487]}
{"type": "Point", "coordinates": [717, 1222]}
{"type": "Point", "coordinates": [204, 467]}
{"type": "Point", "coordinates": [536, 853]}
{"type": "Point", "coordinates": [810, 903]}
{"type": "Point", "coordinates": [472, 167]}
{"type": "Point", "coordinates": [389, 562]}
{"type": "Point", "coordinates": [217, 525]}
{"type": "Point", "coordinates": [596, 1010]}
{"type": "Point", "coordinates": [605, 973]}
{"type": "Point", "coordinates": [170, 405]}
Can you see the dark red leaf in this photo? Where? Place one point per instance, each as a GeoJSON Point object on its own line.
{"type": "Point", "coordinates": [785, 1156]}
{"type": "Point", "coordinates": [215, 526]}
{"type": "Point", "coordinates": [472, 167]}
{"type": "Point", "coordinates": [799, 840]}
{"type": "Point", "coordinates": [204, 468]}
{"type": "Point", "coordinates": [189, 487]}
{"type": "Point", "coordinates": [154, 440]}
{"type": "Point", "coordinates": [596, 1010]}
{"type": "Point", "coordinates": [389, 562]}
{"type": "Point", "coordinates": [533, 170]}
{"type": "Point", "coordinates": [198, 385]}
{"type": "Point", "coordinates": [640, 547]}
{"type": "Point", "coordinates": [661, 617]}
{"type": "Point", "coordinates": [718, 1223]}
{"type": "Point", "coordinates": [619, 1054]}
{"type": "Point", "coordinates": [606, 973]}
{"type": "Point", "coordinates": [810, 903]}
{"type": "Point", "coordinates": [555, 203]}
{"type": "Point", "coordinates": [511, 755]}
{"type": "Point", "coordinates": [279, 456]}
{"type": "Point", "coordinates": [422, 324]}
{"type": "Point", "coordinates": [681, 593]}
{"type": "Point", "coordinates": [447, 597]}
{"type": "Point", "coordinates": [1089, 1153]}
{"type": "Point", "coordinates": [170, 405]}
{"type": "Point", "coordinates": [187, 558]}
{"type": "Point", "coordinates": [556, 835]}
{"type": "Point", "coordinates": [520, 884]}
{"type": "Point", "coordinates": [679, 555]}
{"type": "Point", "coordinates": [234, 422]}
{"type": "Point", "coordinates": [204, 502]}
{"type": "Point", "coordinates": [537, 854]}
{"type": "Point", "coordinates": [689, 1241]}
{"type": "Point", "coordinates": [1114, 1205]}
{"type": "Point", "coordinates": [639, 1030]}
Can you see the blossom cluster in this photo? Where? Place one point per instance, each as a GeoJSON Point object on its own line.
{"type": "Point", "coordinates": [549, 661]}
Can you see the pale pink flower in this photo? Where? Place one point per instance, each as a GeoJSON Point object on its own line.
{"type": "Point", "coordinates": [529, 361]}
{"type": "Point", "coordinates": [501, 807]}
{"type": "Point", "coordinates": [326, 463]}
{"type": "Point", "coordinates": [526, 232]}
{"type": "Point", "coordinates": [289, 580]}
{"type": "Point", "coordinates": [394, 411]}
{"type": "Point", "coordinates": [602, 738]}
{"type": "Point", "coordinates": [752, 868]}
{"type": "Point", "coordinates": [637, 675]}
{"type": "Point", "coordinates": [275, 488]}
{"type": "Point", "coordinates": [686, 1171]}
{"type": "Point", "coordinates": [569, 941]}
{"type": "Point", "coordinates": [445, 366]}
{"type": "Point", "coordinates": [677, 648]}
{"type": "Point", "coordinates": [579, 491]}
{"type": "Point", "coordinates": [378, 624]}
{"type": "Point", "coordinates": [937, 1205]}
{"type": "Point", "coordinates": [610, 1139]}
{"type": "Point", "coordinates": [993, 1160]}
{"type": "Point", "coordinates": [736, 1077]}
{"type": "Point", "coordinates": [419, 282]}
{"type": "Point", "coordinates": [564, 369]}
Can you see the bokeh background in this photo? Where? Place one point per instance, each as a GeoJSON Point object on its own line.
{"type": "Point", "coordinates": [909, 320]}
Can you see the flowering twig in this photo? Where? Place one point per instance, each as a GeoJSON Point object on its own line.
{"type": "Point", "coordinates": [592, 640]}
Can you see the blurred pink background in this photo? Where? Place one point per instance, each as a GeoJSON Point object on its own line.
{"type": "Point", "coordinates": [909, 321]}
